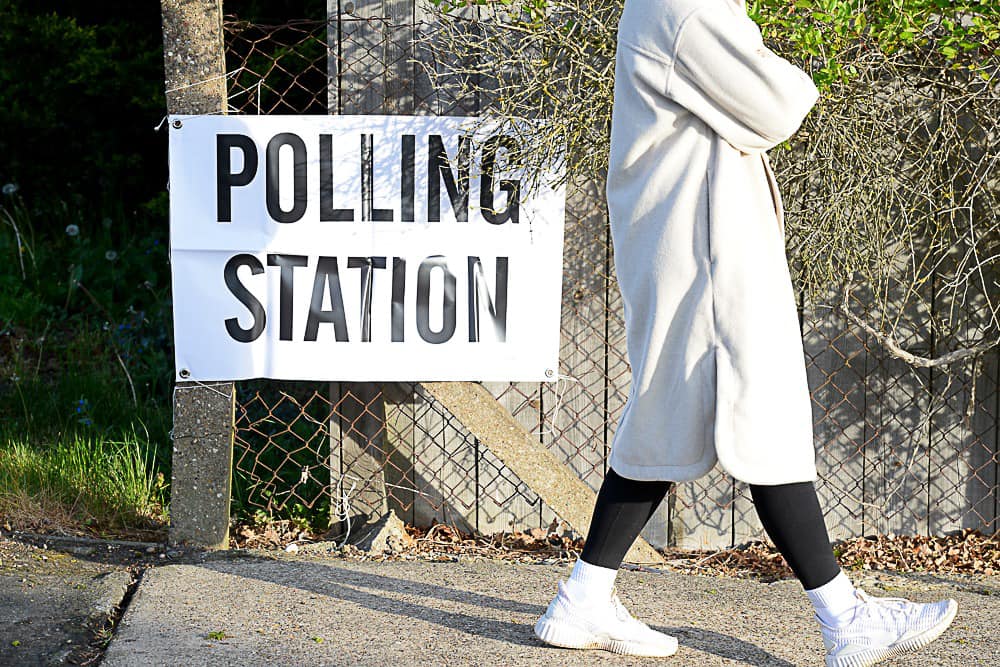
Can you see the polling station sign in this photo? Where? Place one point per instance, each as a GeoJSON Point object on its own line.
{"type": "Point", "coordinates": [359, 248]}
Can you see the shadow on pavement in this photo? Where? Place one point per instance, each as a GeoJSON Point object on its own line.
{"type": "Point", "coordinates": [347, 584]}
{"type": "Point", "coordinates": [724, 646]}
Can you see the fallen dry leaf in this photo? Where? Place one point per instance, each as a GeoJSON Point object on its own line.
{"type": "Point", "coordinates": [965, 551]}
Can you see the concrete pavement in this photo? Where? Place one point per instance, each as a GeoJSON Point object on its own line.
{"type": "Point", "coordinates": [299, 611]}
{"type": "Point", "coordinates": [264, 608]}
{"type": "Point", "coordinates": [53, 603]}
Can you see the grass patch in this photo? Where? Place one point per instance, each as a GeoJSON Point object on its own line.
{"type": "Point", "coordinates": [85, 368]}
{"type": "Point", "coordinates": [79, 482]}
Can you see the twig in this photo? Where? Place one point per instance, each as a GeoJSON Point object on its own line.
{"type": "Point", "coordinates": [897, 351]}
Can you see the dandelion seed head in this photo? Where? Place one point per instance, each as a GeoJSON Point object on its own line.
{"type": "Point", "coordinates": [111, 255]}
{"type": "Point", "coordinates": [10, 189]}
{"type": "Point", "coordinates": [72, 230]}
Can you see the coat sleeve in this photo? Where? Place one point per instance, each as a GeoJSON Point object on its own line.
{"type": "Point", "coordinates": [724, 74]}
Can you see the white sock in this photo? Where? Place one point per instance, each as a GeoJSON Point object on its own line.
{"type": "Point", "coordinates": [589, 584]}
{"type": "Point", "coordinates": [834, 601]}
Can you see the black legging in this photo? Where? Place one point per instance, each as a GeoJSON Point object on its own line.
{"type": "Point", "coordinates": [790, 513]}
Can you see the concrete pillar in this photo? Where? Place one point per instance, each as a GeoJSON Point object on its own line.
{"type": "Point", "coordinates": [201, 477]}
{"type": "Point", "coordinates": [194, 77]}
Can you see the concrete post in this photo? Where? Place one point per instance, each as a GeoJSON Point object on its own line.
{"type": "Point", "coordinates": [194, 76]}
{"type": "Point", "coordinates": [201, 477]}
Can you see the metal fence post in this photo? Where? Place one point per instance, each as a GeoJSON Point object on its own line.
{"type": "Point", "coordinates": [194, 77]}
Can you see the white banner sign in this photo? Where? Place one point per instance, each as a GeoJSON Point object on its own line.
{"type": "Point", "coordinates": [359, 248]}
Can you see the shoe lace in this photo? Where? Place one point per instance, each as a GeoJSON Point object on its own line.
{"type": "Point", "coordinates": [621, 611]}
{"type": "Point", "coordinates": [897, 609]}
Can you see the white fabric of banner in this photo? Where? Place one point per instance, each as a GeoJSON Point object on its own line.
{"type": "Point", "coordinates": [351, 248]}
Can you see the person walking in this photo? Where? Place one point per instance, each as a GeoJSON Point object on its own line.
{"type": "Point", "coordinates": [718, 369]}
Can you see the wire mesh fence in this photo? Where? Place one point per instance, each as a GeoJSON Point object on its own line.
{"type": "Point", "coordinates": [277, 68]}
{"type": "Point", "coordinates": [900, 449]}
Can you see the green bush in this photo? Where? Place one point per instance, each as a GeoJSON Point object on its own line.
{"type": "Point", "coordinates": [79, 98]}
{"type": "Point", "coordinates": [821, 33]}
{"type": "Point", "coordinates": [825, 34]}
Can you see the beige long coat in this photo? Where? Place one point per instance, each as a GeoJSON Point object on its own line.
{"type": "Point", "coordinates": [718, 371]}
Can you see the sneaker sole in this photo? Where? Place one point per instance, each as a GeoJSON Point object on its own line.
{"type": "Point", "coordinates": [566, 636]}
{"type": "Point", "coordinates": [876, 655]}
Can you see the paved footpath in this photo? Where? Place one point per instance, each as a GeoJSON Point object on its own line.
{"type": "Point", "coordinates": [298, 610]}
{"type": "Point", "coordinates": [264, 609]}
{"type": "Point", "coordinates": [52, 602]}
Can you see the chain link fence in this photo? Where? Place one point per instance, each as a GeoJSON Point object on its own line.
{"type": "Point", "coordinates": [900, 449]}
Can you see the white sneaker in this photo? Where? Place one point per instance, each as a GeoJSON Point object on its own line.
{"type": "Point", "coordinates": [885, 627]}
{"type": "Point", "coordinates": [607, 626]}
